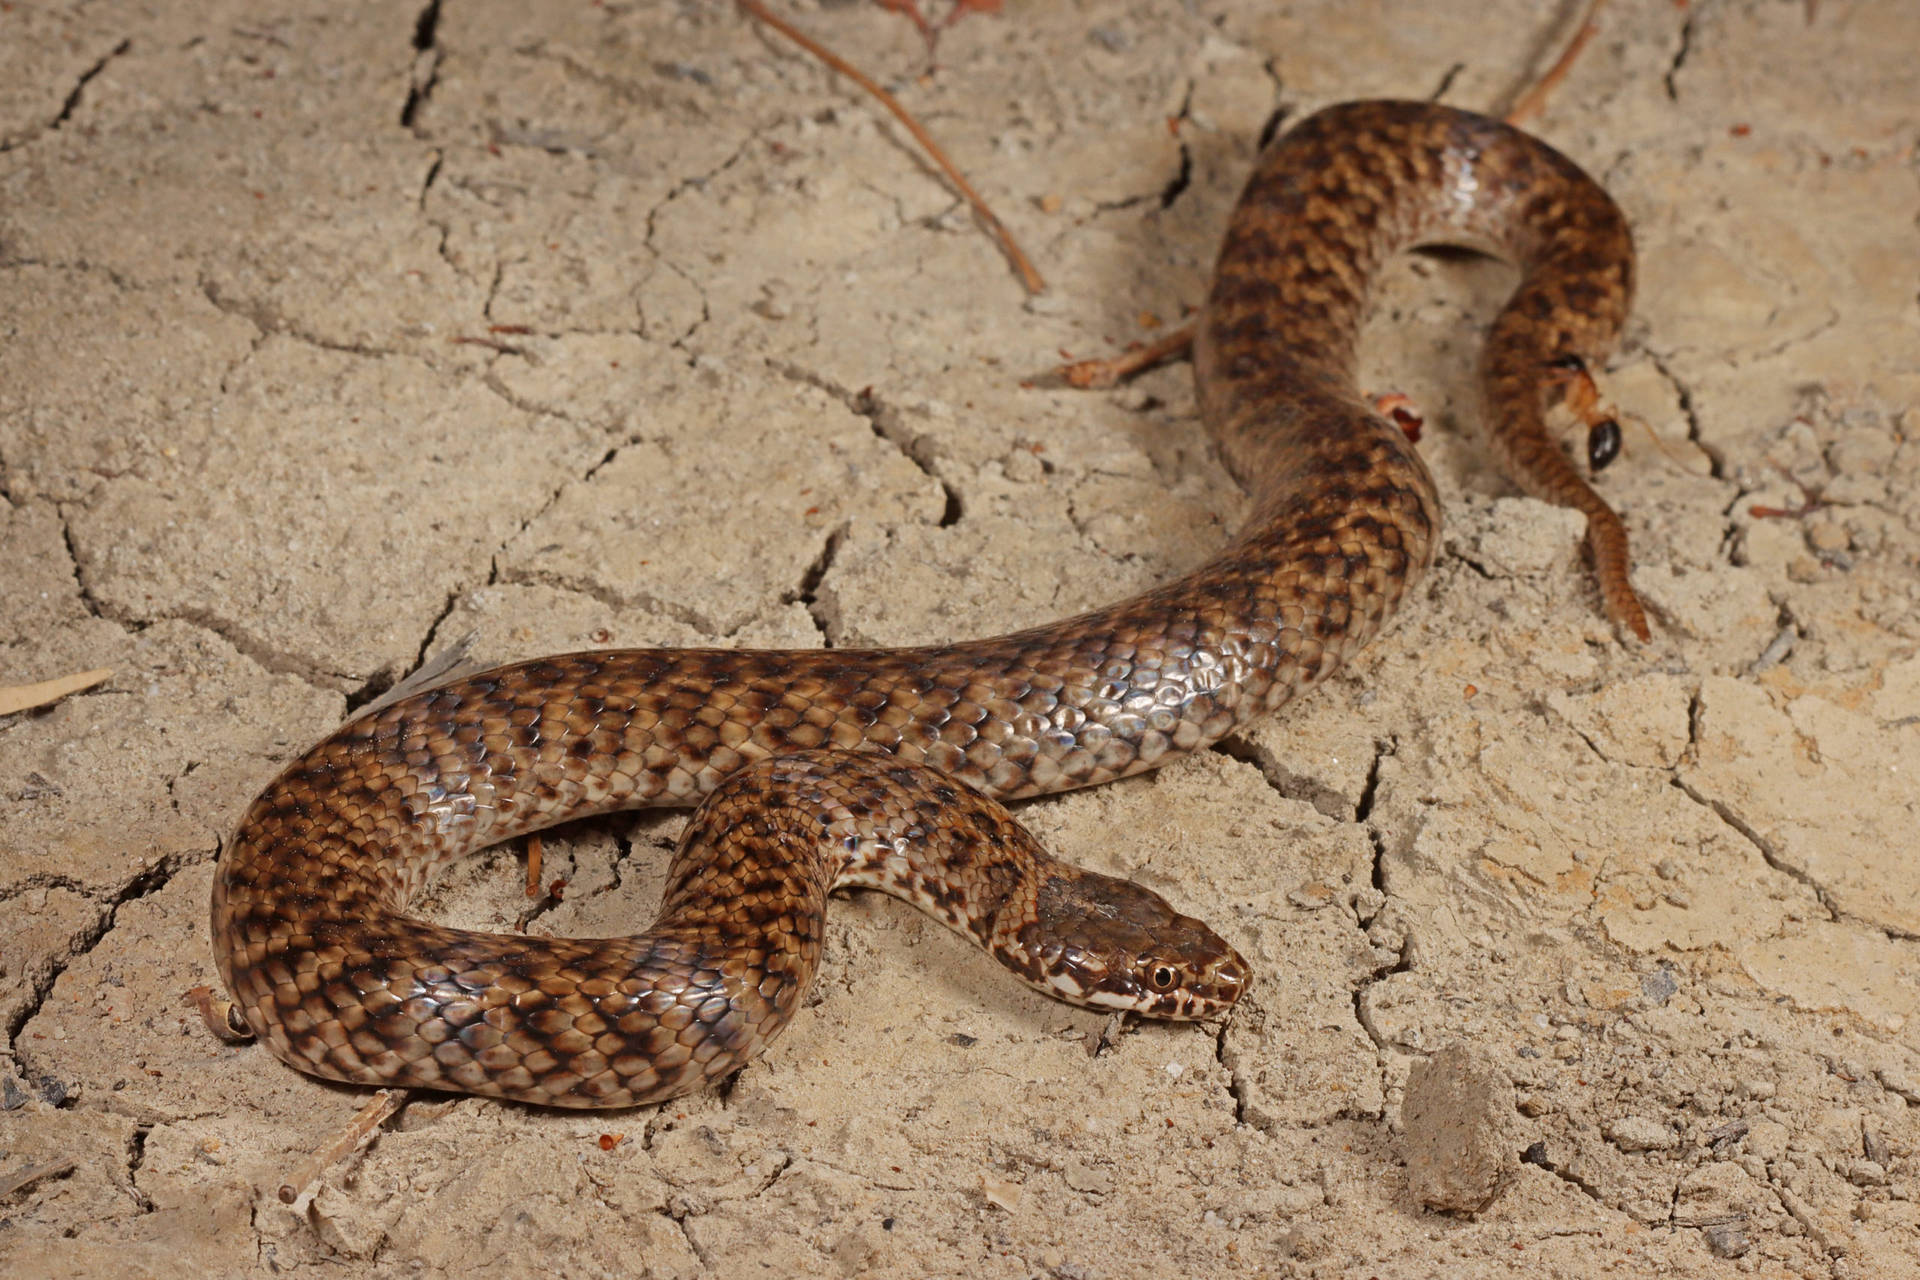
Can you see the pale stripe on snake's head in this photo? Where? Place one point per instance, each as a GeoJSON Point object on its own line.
{"type": "Point", "coordinates": [1111, 944]}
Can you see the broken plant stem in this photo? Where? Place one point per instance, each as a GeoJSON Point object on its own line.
{"type": "Point", "coordinates": [1029, 276]}
{"type": "Point", "coordinates": [25, 697]}
{"type": "Point", "coordinates": [1531, 102]}
{"type": "Point", "coordinates": [358, 1131]}
{"type": "Point", "coordinates": [1093, 375]}
{"type": "Point", "coordinates": [26, 1177]}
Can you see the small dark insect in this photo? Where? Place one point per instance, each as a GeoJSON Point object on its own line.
{"type": "Point", "coordinates": [1603, 443]}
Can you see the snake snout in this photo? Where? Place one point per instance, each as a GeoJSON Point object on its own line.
{"type": "Point", "coordinates": [1228, 981]}
{"type": "Point", "coordinates": [1113, 944]}
{"type": "Point", "coordinates": [1216, 977]}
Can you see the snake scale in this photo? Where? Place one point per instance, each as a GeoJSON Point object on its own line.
{"type": "Point", "coordinates": [884, 767]}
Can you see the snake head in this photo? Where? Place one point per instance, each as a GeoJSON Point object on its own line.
{"type": "Point", "coordinates": [1107, 943]}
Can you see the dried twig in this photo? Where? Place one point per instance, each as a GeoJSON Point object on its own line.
{"type": "Point", "coordinates": [536, 854]}
{"type": "Point", "coordinates": [33, 1173]}
{"type": "Point", "coordinates": [1028, 275]}
{"type": "Point", "coordinates": [1530, 103]}
{"type": "Point", "coordinates": [25, 697]}
{"type": "Point", "coordinates": [360, 1130]}
{"type": "Point", "coordinates": [1093, 375]}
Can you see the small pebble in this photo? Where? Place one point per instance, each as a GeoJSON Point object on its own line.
{"type": "Point", "coordinates": [1001, 1194]}
{"type": "Point", "coordinates": [1641, 1133]}
{"type": "Point", "coordinates": [1457, 1112]}
{"type": "Point", "coordinates": [1826, 534]}
{"type": "Point", "coordinates": [1022, 467]}
{"type": "Point", "coordinates": [1876, 1147]}
{"type": "Point", "coordinates": [1727, 1240]}
{"type": "Point", "coordinates": [1659, 986]}
{"type": "Point", "coordinates": [1902, 1082]}
{"type": "Point", "coordinates": [1867, 1173]}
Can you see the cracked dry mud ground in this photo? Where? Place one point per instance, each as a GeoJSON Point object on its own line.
{"type": "Point", "coordinates": [334, 334]}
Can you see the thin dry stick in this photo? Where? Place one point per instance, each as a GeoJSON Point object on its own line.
{"type": "Point", "coordinates": [33, 1173]}
{"type": "Point", "coordinates": [382, 1105]}
{"type": "Point", "coordinates": [1028, 275]}
{"type": "Point", "coordinates": [25, 697]}
{"type": "Point", "coordinates": [1094, 375]}
{"type": "Point", "coordinates": [536, 852]}
{"type": "Point", "coordinates": [1528, 104]}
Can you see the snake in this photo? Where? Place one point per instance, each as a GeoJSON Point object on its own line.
{"type": "Point", "coordinates": [889, 768]}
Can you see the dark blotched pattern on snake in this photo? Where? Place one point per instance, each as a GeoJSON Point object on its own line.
{"type": "Point", "coordinates": [309, 924]}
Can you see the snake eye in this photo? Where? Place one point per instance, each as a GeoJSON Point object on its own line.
{"type": "Point", "coordinates": [1161, 978]}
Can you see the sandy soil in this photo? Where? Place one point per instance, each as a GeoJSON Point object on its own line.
{"type": "Point", "coordinates": [332, 334]}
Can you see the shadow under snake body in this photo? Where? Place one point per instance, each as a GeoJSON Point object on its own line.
{"type": "Point", "coordinates": [883, 768]}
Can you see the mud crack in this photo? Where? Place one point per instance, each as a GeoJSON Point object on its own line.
{"type": "Point", "coordinates": [71, 103]}
{"type": "Point", "coordinates": [41, 978]}
{"type": "Point", "coordinates": [887, 425]}
{"type": "Point", "coordinates": [426, 63]}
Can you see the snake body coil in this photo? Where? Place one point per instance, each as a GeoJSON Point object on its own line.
{"type": "Point", "coordinates": [309, 926]}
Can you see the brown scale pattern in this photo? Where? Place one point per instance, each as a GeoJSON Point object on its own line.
{"type": "Point", "coordinates": [309, 924]}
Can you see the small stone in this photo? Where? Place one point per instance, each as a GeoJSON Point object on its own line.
{"type": "Point", "coordinates": [1002, 1194]}
{"type": "Point", "coordinates": [1826, 534]}
{"type": "Point", "coordinates": [1659, 986]}
{"type": "Point", "coordinates": [1640, 1133]}
{"type": "Point", "coordinates": [1457, 1114]}
{"type": "Point", "coordinates": [1717, 1193]}
{"type": "Point", "coordinates": [1086, 1178]}
{"type": "Point", "coordinates": [1875, 1146]}
{"type": "Point", "coordinates": [1727, 1240]}
{"type": "Point", "coordinates": [1727, 1134]}
{"type": "Point", "coordinates": [1861, 452]}
{"type": "Point", "coordinates": [1867, 1173]}
{"type": "Point", "coordinates": [1311, 896]}
{"type": "Point", "coordinates": [1901, 1081]}
{"type": "Point", "coordinates": [1767, 1139]}
{"type": "Point", "coordinates": [1023, 466]}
